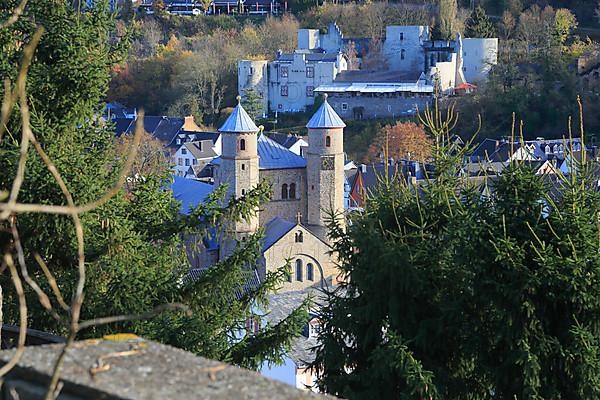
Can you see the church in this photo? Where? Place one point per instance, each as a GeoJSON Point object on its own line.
{"type": "Point", "coordinates": [305, 191]}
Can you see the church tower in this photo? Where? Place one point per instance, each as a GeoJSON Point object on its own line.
{"type": "Point", "coordinates": [239, 167]}
{"type": "Point", "coordinates": [324, 167]}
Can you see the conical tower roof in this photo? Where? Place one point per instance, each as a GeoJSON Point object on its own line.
{"type": "Point", "coordinates": [239, 121]}
{"type": "Point", "coordinates": [325, 118]}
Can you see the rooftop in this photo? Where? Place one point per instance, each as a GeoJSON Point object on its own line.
{"type": "Point", "coordinates": [325, 118]}
{"type": "Point", "coordinates": [239, 121]}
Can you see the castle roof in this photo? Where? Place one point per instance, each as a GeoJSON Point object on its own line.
{"type": "Point", "coordinates": [239, 121]}
{"type": "Point", "coordinates": [325, 118]}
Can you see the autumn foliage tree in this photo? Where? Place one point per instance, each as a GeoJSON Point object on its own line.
{"type": "Point", "coordinates": [402, 140]}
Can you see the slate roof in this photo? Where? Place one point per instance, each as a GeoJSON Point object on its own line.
{"type": "Point", "coordinates": [162, 128]}
{"type": "Point", "coordinates": [378, 76]}
{"type": "Point", "coordinates": [251, 278]}
{"type": "Point", "coordinates": [325, 117]}
{"type": "Point", "coordinates": [287, 140]}
{"type": "Point", "coordinates": [201, 149]}
{"type": "Point", "coordinates": [189, 192]}
{"type": "Point", "coordinates": [272, 155]}
{"type": "Point", "coordinates": [239, 121]}
{"type": "Point", "coordinates": [309, 55]}
{"type": "Point", "coordinates": [281, 305]}
{"type": "Point", "coordinates": [275, 230]}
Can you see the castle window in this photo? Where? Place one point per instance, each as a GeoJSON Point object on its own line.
{"type": "Point", "coordinates": [243, 192]}
{"type": "Point", "coordinates": [284, 191]}
{"type": "Point", "coordinates": [292, 191]}
{"type": "Point", "coordinates": [284, 90]}
{"type": "Point", "coordinates": [250, 71]}
{"type": "Point", "coordinates": [299, 237]}
{"type": "Point", "coordinates": [242, 144]}
{"type": "Point", "coordinates": [299, 270]}
{"type": "Point", "coordinates": [402, 54]}
{"type": "Point", "coordinates": [289, 270]}
{"type": "Point", "coordinates": [401, 35]}
{"type": "Point", "coordinates": [310, 72]}
{"type": "Point", "coordinates": [310, 272]}
{"type": "Point", "coordinates": [243, 167]}
{"type": "Point", "coordinates": [328, 141]}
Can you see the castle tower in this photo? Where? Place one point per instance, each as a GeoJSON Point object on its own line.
{"type": "Point", "coordinates": [324, 167]}
{"type": "Point", "coordinates": [239, 166]}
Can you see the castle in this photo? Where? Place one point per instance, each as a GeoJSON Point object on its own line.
{"type": "Point", "coordinates": [305, 191]}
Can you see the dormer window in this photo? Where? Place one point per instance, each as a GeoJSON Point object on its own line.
{"type": "Point", "coordinates": [178, 141]}
{"type": "Point", "coordinates": [242, 144]}
{"type": "Point", "coordinates": [547, 149]}
{"type": "Point", "coordinates": [327, 141]}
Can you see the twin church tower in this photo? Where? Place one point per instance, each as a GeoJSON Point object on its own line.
{"type": "Point", "coordinates": [306, 190]}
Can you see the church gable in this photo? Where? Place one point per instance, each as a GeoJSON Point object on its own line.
{"type": "Point", "coordinates": [306, 254]}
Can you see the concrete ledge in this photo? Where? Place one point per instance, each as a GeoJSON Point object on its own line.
{"type": "Point", "coordinates": [136, 369]}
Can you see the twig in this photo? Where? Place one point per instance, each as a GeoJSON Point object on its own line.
{"type": "Point", "coordinates": [51, 282]}
{"type": "Point", "coordinates": [15, 15]}
{"type": "Point", "coordinates": [8, 260]}
{"type": "Point", "coordinates": [134, 317]}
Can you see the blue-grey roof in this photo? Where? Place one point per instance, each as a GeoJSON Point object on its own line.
{"type": "Point", "coordinates": [325, 118]}
{"type": "Point", "coordinates": [239, 122]}
{"type": "Point", "coordinates": [275, 230]}
{"type": "Point", "coordinates": [190, 192]}
{"type": "Point", "coordinates": [272, 155]}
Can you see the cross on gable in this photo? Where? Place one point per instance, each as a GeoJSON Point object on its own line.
{"type": "Point", "coordinates": [298, 217]}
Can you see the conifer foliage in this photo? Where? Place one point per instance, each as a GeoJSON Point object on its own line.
{"type": "Point", "coordinates": [455, 294]}
{"type": "Point", "coordinates": [134, 255]}
{"type": "Point", "coordinates": [478, 25]}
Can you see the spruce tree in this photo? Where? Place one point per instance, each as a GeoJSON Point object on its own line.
{"type": "Point", "coordinates": [456, 293]}
{"type": "Point", "coordinates": [135, 258]}
{"type": "Point", "coordinates": [478, 25]}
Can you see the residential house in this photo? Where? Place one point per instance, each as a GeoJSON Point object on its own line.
{"type": "Point", "coordinates": [294, 143]}
{"type": "Point", "coordinates": [197, 154]}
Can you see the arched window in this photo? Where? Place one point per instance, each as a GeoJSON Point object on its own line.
{"type": "Point", "coordinates": [292, 191]}
{"type": "Point", "coordinates": [242, 144]}
{"type": "Point", "coordinates": [284, 191]}
{"type": "Point", "coordinates": [243, 167]}
{"type": "Point", "coordinates": [289, 269]}
{"type": "Point", "coordinates": [328, 141]}
{"type": "Point", "coordinates": [243, 192]}
{"type": "Point", "coordinates": [310, 272]}
{"type": "Point", "coordinates": [299, 270]}
{"type": "Point", "coordinates": [402, 54]}
{"type": "Point", "coordinates": [299, 237]}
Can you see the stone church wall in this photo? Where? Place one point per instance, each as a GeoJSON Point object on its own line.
{"type": "Point", "coordinates": [278, 207]}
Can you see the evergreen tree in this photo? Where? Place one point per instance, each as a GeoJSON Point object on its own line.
{"type": "Point", "coordinates": [135, 259]}
{"type": "Point", "coordinates": [457, 295]}
{"type": "Point", "coordinates": [479, 25]}
{"type": "Point", "coordinates": [253, 103]}
{"type": "Point", "coordinates": [445, 27]}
